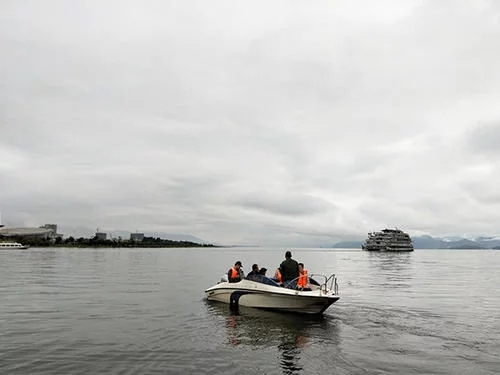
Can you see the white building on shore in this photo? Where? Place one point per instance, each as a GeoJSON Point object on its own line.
{"type": "Point", "coordinates": [46, 231]}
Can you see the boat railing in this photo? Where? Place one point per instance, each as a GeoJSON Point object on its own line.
{"type": "Point", "coordinates": [329, 284]}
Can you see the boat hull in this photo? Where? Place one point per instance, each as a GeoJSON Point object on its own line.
{"type": "Point", "coordinates": [389, 249]}
{"type": "Point", "coordinates": [257, 295]}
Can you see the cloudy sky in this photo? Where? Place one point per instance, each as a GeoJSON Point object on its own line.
{"type": "Point", "coordinates": [251, 122]}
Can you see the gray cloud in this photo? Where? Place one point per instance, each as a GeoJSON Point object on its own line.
{"type": "Point", "coordinates": [272, 123]}
{"type": "Point", "coordinates": [290, 204]}
{"type": "Point", "coordinates": [485, 139]}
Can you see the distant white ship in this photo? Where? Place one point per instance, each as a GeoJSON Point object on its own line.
{"type": "Point", "coordinates": [388, 240]}
{"type": "Point", "coordinates": [12, 246]}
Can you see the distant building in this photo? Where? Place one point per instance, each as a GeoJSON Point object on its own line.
{"type": "Point", "coordinates": [42, 232]}
{"type": "Point", "coordinates": [138, 237]}
{"type": "Point", "coordinates": [52, 227]}
{"type": "Point", "coordinates": [101, 236]}
{"type": "Point", "coordinates": [46, 231]}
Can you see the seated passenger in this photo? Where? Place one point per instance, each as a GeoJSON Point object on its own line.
{"type": "Point", "coordinates": [262, 278]}
{"type": "Point", "coordinates": [302, 281]}
{"type": "Point", "coordinates": [235, 273]}
{"type": "Point", "coordinates": [254, 272]}
{"type": "Point", "coordinates": [277, 277]}
{"type": "Point", "coordinates": [259, 276]}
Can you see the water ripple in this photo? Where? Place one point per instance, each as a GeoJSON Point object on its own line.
{"type": "Point", "coordinates": [133, 311]}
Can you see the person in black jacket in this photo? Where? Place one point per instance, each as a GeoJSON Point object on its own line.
{"type": "Point", "coordinates": [289, 268]}
{"type": "Point", "coordinates": [254, 272]}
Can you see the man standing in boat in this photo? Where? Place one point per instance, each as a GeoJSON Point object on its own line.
{"type": "Point", "coordinates": [235, 273]}
{"type": "Point", "coordinates": [289, 268]}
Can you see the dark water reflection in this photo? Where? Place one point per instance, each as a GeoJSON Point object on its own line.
{"type": "Point", "coordinates": [392, 270]}
{"type": "Point", "coordinates": [291, 334]}
{"type": "Point", "coordinates": [390, 262]}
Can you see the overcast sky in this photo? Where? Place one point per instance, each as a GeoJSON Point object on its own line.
{"type": "Point", "coordinates": [251, 122]}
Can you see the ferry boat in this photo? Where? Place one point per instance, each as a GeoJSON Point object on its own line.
{"type": "Point", "coordinates": [388, 240]}
{"type": "Point", "coordinates": [12, 246]}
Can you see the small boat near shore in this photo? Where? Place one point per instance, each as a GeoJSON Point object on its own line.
{"type": "Point", "coordinates": [265, 293]}
{"type": "Point", "coordinates": [12, 246]}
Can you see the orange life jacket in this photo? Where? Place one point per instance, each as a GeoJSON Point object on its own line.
{"type": "Point", "coordinates": [234, 273]}
{"type": "Point", "coordinates": [277, 276]}
{"type": "Point", "coordinates": [302, 281]}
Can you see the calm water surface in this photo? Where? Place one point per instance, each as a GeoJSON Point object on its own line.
{"type": "Point", "coordinates": [142, 311]}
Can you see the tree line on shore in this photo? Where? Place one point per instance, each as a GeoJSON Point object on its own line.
{"type": "Point", "coordinates": [96, 242]}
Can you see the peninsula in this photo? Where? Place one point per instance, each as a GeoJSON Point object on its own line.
{"type": "Point", "coordinates": [96, 242]}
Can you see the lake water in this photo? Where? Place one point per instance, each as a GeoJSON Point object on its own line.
{"type": "Point", "coordinates": [142, 311]}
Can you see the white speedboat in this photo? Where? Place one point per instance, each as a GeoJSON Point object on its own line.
{"type": "Point", "coordinates": [12, 246]}
{"type": "Point", "coordinates": [265, 293]}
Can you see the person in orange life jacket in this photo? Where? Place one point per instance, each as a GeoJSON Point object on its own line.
{"type": "Point", "coordinates": [302, 280]}
{"type": "Point", "coordinates": [235, 273]}
{"type": "Point", "coordinates": [277, 276]}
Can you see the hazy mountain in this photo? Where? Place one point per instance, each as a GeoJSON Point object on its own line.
{"type": "Point", "coordinates": [348, 245]}
{"type": "Point", "coordinates": [177, 237]}
{"type": "Point", "coordinates": [429, 242]}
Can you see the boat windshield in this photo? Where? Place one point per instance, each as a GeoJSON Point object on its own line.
{"type": "Point", "coordinates": [263, 279]}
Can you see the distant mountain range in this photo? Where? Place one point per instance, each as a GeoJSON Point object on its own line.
{"type": "Point", "coordinates": [429, 242]}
